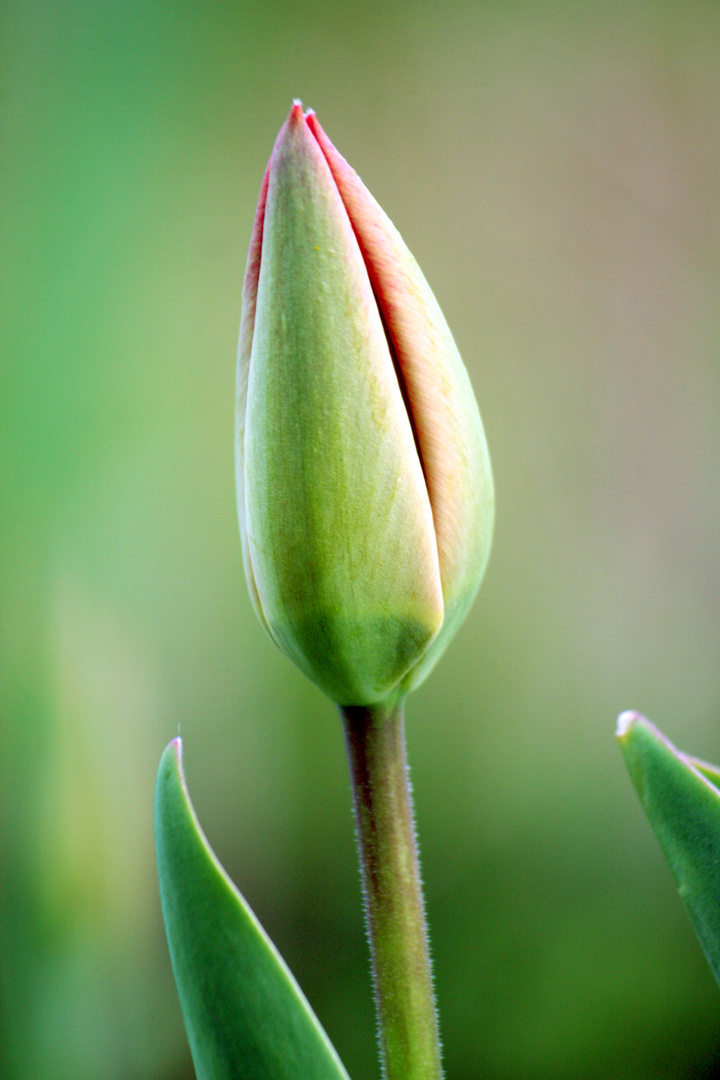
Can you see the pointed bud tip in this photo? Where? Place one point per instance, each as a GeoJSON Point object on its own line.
{"type": "Point", "coordinates": [295, 116]}
{"type": "Point", "coordinates": [298, 113]}
{"type": "Point", "coordinates": [297, 121]}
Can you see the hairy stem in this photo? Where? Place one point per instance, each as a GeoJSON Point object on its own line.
{"type": "Point", "coordinates": [394, 910]}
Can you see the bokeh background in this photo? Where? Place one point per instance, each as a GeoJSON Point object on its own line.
{"type": "Point", "coordinates": [555, 168]}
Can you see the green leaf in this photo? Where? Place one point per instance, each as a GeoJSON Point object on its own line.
{"type": "Point", "coordinates": [245, 1015]}
{"type": "Point", "coordinates": [682, 802]}
{"type": "Point", "coordinates": [710, 772]}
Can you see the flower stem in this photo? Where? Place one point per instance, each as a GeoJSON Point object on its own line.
{"type": "Point", "coordinates": [394, 911]}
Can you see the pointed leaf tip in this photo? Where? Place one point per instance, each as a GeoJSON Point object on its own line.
{"type": "Point", "coordinates": [683, 807]}
{"type": "Point", "coordinates": [624, 722]}
{"type": "Point", "coordinates": [244, 1013]}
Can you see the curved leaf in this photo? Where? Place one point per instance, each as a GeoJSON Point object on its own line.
{"type": "Point", "coordinates": [245, 1015]}
{"type": "Point", "coordinates": [681, 800]}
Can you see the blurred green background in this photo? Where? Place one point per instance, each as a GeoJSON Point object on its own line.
{"type": "Point", "coordinates": [555, 169]}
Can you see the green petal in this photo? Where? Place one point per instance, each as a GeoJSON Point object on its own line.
{"type": "Point", "coordinates": [684, 810]}
{"type": "Point", "coordinates": [247, 329]}
{"type": "Point", "coordinates": [245, 1015]}
{"type": "Point", "coordinates": [445, 416]}
{"type": "Point", "coordinates": [339, 525]}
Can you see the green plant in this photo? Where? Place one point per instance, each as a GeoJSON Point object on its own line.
{"type": "Point", "coordinates": [681, 797]}
{"type": "Point", "coordinates": [366, 506]}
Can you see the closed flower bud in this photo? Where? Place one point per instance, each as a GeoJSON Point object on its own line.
{"type": "Point", "coordinates": [364, 486]}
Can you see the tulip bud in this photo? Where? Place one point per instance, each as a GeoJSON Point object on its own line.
{"type": "Point", "coordinates": [364, 486]}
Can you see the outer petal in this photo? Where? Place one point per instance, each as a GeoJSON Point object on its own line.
{"type": "Point", "coordinates": [444, 412]}
{"type": "Point", "coordinates": [339, 526]}
{"type": "Point", "coordinates": [247, 327]}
